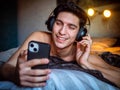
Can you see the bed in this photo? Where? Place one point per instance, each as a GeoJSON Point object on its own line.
{"type": "Point", "coordinates": [101, 45]}
{"type": "Point", "coordinates": [108, 49]}
{"type": "Point", "coordinates": [71, 79]}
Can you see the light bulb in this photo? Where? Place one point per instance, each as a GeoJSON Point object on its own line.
{"type": "Point", "coordinates": [91, 12]}
{"type": "Point", "coordinates": [107, 13]}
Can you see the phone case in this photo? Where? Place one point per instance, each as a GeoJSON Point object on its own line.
{"type": "Point", "coordinates": [37, 50]}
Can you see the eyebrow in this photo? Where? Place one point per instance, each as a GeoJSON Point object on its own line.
{"type": "Point", "coordinates": [69, 24]}
{"type": "Point", "coordinates": [58, 20]}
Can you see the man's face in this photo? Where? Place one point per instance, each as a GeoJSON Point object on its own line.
{"type": "Point", "coordinates": [65, 29]}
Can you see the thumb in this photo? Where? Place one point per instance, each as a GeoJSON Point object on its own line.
{"type": "Point", "coordinates": [22, 56]}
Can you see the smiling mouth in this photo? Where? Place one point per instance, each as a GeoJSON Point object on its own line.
{"type": "Point", "coordinates": [60, 39]}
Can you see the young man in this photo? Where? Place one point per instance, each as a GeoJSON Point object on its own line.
{"type": "Point", "coordinates": [67, 21]}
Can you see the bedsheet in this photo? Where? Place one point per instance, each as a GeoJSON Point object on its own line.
{"type": "Point", "coordinates": [65, 80]}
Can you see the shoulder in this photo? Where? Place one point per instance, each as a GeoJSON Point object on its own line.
{"type": "Point", "coordinates": [40, 33]}
{"type": "Point", "coordinates": [41, 36]}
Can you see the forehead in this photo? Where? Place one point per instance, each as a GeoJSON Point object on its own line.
{"type": "Point", "coordinates": [68, 17]}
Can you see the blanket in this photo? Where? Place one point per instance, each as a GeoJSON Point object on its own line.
{"type": "Point", "coordinates": [112, 59]}
{"type": "Point", "coordinates": [60, 79]}
{"type": "Point", "coordinates": [65, 80]}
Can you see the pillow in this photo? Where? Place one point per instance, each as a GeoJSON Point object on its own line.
{"type": "Point", "coordinates": [100, 44]}
{"type": "Point", "coordinates": [107, 41]}
{"type": "Point", "coordinates": [5, 55]}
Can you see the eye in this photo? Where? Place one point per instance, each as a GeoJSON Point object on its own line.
{"type": "Point", "coordinates": [58, 23]}
{"type": "Point", "coordinates": [71, 27]}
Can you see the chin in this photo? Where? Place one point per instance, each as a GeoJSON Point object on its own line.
{"type": "Point", "coordinates": [60, 45]}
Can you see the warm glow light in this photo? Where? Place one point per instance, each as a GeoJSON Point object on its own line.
{"type": "Point", "coordinates": [91, 12]}
{"type": "Point", "coordinates": [107, 13]}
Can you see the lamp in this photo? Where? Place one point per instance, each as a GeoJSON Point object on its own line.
{"type": "Point", "coordinates": [107, 13]}
{"type": "Point", "coordinates": [92, 12]}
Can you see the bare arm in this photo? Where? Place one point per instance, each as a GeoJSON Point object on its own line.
{"type": "Point", "coordinates": [8, 69]}
{"type": "Point", "coordinates": [95, 62]}
{"type": "Point", "coordinates": [109, 72]}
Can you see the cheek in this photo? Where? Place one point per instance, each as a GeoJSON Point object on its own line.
{"type": "Point", "coordinates": [73, 35]}
{"type": "Point", "coordinates": [54, 31]}
{"type": "Point", "coordinates": [55, 28]}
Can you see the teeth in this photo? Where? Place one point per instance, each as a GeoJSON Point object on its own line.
{"type": "Point", "coordinates": [61, 38]}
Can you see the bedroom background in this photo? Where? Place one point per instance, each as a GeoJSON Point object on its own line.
{"type": "Point", "coordinates": [19, 18]}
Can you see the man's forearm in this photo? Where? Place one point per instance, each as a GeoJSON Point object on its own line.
{"type": "Point", "coordinates": [109, 72]}
{"type": "Point", "coordinates": [8, 72]}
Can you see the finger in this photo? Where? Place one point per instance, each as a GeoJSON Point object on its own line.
{"type": "Point", "coordinates": [40, 72]}
{"type": "Point", "coordinates": [30, 84]}
{"type": "Point", "coordinates": [85, 43]}
{"type": "Point", "coordinates": [78, 44]}
{"type": "Point", "coordinates": [34, 79]}
{"type": "Point", "coordinates": [86, 40]}
{"type": "Point", "coordinates": [35, 62]}
{"type": "Point", "coordinates": [25, 53]}
{"type": "Point", "coordinates": [87, 37]}
{"type": "Point", "coordinates": [35, 72]}
{"type": "Point", "coordinates": [22, 56]}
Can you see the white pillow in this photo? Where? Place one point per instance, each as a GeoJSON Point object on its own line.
{"type": "Point", "coordinates": [5, 55]}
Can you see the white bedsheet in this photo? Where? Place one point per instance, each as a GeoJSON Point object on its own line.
{"type": "Point", "coordinates": [65, 80]}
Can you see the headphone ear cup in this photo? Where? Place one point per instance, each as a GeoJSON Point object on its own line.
{"type": "Point", "coordinates": [82, 32]}
{"type": "Point", "coordinates": [50, 23]}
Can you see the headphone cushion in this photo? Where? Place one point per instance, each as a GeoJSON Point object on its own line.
{"type": "Point", "coordinates": [50, 23]}
{"type": "Point", "coordinates": [82, 32]}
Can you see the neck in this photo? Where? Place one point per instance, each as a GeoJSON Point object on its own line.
{"type": "Point", "coordinates": [67, 54]}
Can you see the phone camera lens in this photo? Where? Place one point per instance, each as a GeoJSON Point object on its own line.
{"type": "Point", "coordinates": [35, 49]}
{"type": "Point", "coordinates": [32, 45]}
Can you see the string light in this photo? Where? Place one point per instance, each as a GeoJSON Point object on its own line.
{"type": "Point", "coordinates": [91, 12]}
{"type": "Point", "coordinates": [107, 13]}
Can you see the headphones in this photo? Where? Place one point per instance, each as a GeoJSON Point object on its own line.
{"type": "Point", "coordinates": [67, 7]}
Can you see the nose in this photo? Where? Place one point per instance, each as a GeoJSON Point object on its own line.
{"type": "Point", "coordinates": [63, 30]}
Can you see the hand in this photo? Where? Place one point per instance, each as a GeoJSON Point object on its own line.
{"type": "Point", "coordinates": [31, 77]}
{"type": "Point", "coordinates": [83, 50]}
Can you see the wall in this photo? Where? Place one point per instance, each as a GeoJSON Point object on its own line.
{"type": "Point", "coordinates": [8, 24]}
{"type": "Point", "coordinates": [32, 15]}
{"type": "Point", "coordinates": [101, 27]}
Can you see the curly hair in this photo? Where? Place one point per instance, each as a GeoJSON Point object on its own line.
{"type": "Point", "coordinates": [72, 8]}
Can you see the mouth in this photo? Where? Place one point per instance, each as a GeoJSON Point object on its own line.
{"type": "Point", "coordinates": [60, 39]}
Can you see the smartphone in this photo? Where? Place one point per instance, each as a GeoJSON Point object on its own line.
{"type": "Point", "coordinates": [38, 50]}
